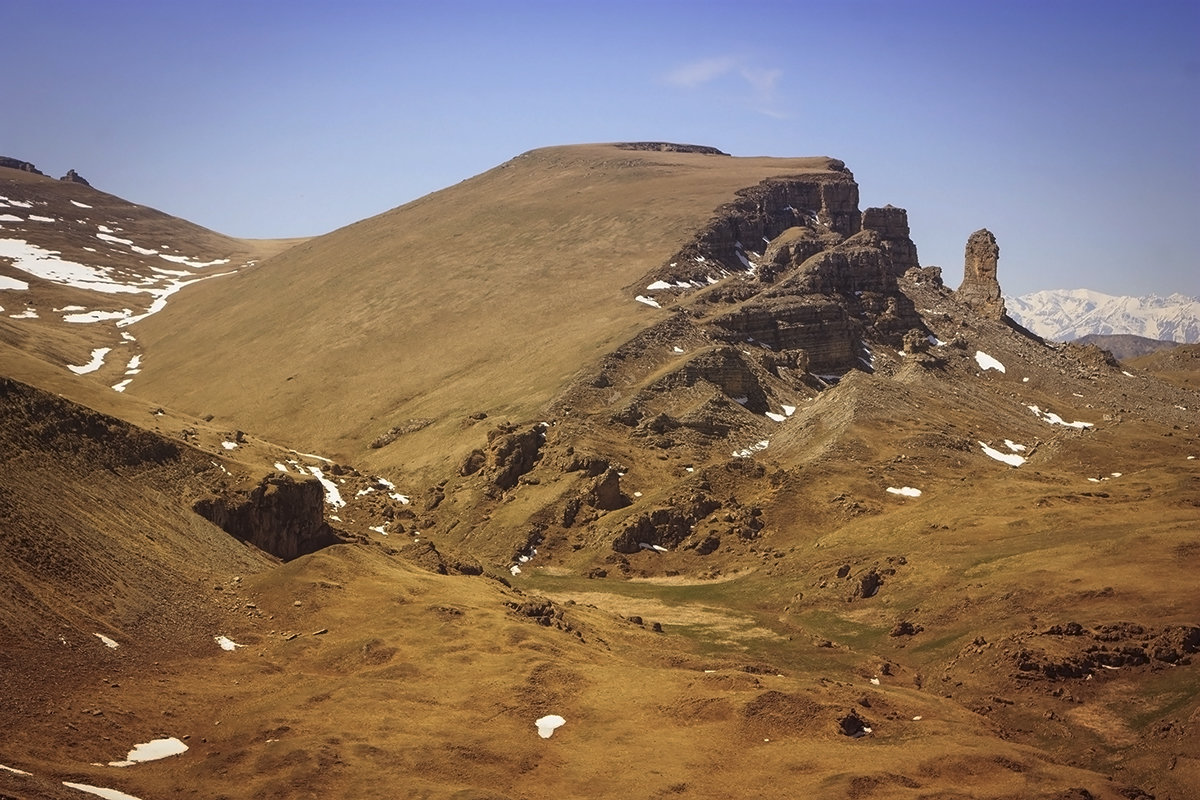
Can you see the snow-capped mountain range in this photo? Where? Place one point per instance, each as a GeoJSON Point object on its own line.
{"type": "Point", "coordinates": [1067, 314]}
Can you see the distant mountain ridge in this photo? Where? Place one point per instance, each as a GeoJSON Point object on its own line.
{"type": "Point", "coordinates": [1068, 314]}
{"type": "Point", "coordinates": [1125, 346]}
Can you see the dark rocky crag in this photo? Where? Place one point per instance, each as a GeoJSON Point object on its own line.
{"type": "Point", "coordinates": [822, 277]}
{"type": "Point", "coordinates": [16, 163]}
{"type": "Point", "coordinates": [74, 177]}
{"type": "Point", "coordinates": [281, 516]}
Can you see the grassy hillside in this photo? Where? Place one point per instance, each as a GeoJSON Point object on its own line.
{"type": "Point", "coordinates": [486, 296]}
{"type": "Point", "coordinates": [79, 266]}
{"type": "Point", "coordinates": [815, 527]}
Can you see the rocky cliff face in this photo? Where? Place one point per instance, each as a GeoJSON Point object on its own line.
{"type": "Point", "coordinates": [279, 515]}
{"type": "Point", "coordinates": [828, 288]}
{"type": "Point", "coordinates": [826, 205]}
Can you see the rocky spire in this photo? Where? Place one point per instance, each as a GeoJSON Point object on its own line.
{"type": "Point", "coordinates": [74, 177]}
{"type": "Point", "coordinates": [979, 288]}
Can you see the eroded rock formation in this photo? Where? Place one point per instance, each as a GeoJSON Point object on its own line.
{"type": "Point", "coordinates": [980, 289]}
{"type": "Point", "coordinates": [16, 163]}
{"type": "Point", "coordinates": [74, 177]}
{"type": "Point", "coordinates": [891, 223]}
{"type": "Point", "coordinates": [281, 516]}
{"type": "Point", "coordinates": [511, 452]}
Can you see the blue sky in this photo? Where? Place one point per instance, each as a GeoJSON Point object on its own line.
{"type": "Point", "coordinates": [1070, 129]}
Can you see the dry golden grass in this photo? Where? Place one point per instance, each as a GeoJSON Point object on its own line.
{"type": "Point", "coordinates": [486, 296]}
{"type": "Point", "coordinates": [494, 296]}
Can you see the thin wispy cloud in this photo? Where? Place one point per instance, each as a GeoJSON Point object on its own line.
{"type": "Point", "coordinates": [760, 81]}
{"type": "Point", "coordinates": [697, 73]}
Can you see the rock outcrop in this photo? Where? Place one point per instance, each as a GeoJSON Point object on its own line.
{"type": "Point", "coordinates": [16, 163]}
{"type": "Point", "coordinates": [891, 223]}
{"type": "Point", "coordinates": [74, 177]}
{"type": "Point", "coordinates": [281, 516]}
{"type": "Point", "coordinates": [739, 232]}
{"type": "Point", "coordinates": [450, 562]}
{"type": "Point", "coordinates": [672, 147]}
{"type": "Point", "coordinates": [979, 288]}
{"type": "Point", "coordinates": [816, 274]}
{"type": "Point", "coordinates": [511, 452]}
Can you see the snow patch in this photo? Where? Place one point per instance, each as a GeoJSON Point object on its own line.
{"type": "Point", "coordinates": [746, 452]}
{"type": "Point", "coordinates": [547, 725]}
{"type": "Point", "coordinates": [12, 283]}
{"type": "Point", "coordinates": [650, 301]}
{"type": "Point", "coordinates": [1055, 419]}
{"type": "Point", "coordinates": [906, 491]}
{"type": "Point", "coordinates": [332, 496]}
{"type": "Point", "coordinates": [47, 265]}
{"type": "Point", "coordinates": [1012, 459]}
{"type": "Point", "coordinates": [79, 204]}
{"type": "Point", "coordinates": [109, 643]}
{"type": "Point", "coordinates": [187, 262]}
{"type": "Point", "coordinates": [152, 750]}
{"type": "Point", "coordinates": [108, 237]}
{"type": "Point", "coordinates": [226, 643]}
{"type": "Point", "coordinates": [100, 791]}
{"type": "Point", "coordinates": [95, 316]}
{"type": "Point", "coordinates": [96, 363]}
{"type": "Point", "coordinates": [986, 362]}
{"type": "Point", "coordinates": [14, 770]}
{"type": "Point", "coordinates": [654, 287]}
